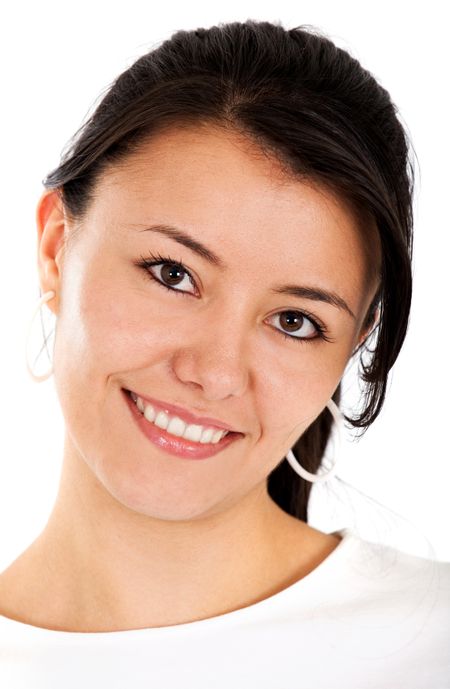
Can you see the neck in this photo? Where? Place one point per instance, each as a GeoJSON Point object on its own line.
{"type": "Point", "coordinates": [111, 568]}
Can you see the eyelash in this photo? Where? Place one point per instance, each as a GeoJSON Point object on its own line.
{"type": "Point", "coordinates": [156, 259]}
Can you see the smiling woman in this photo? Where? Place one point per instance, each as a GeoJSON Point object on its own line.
{"type": "Point", "coordinates": [231, 226]}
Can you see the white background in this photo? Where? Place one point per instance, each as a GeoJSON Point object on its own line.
{"type": "Point", "coordinates": [56, 60]}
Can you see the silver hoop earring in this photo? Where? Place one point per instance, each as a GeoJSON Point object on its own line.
{"type": "Point", "coordinates": [45, 297]}
{"type": "Point", "coordinates": [338, 418]}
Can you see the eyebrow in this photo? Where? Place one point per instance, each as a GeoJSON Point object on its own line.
{"type": "Point", "coordinates": [301, 291]}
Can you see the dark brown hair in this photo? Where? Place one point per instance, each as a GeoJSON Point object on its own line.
{"type": "Point", "coordinates": [314, 108]}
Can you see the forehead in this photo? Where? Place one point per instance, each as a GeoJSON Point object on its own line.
{"type": "Point", "coordinates": [221, 186]}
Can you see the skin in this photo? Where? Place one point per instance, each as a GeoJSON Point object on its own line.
{"type": "Point", "coordinates": [139, 538]}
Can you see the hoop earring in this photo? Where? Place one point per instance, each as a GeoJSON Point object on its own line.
{"type": "Point", "coordinates": [45, 297]}
{"type": "Point", "coordinates": [338, 418]}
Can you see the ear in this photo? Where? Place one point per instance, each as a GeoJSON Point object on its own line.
{"type": "Point", "coordinates": [51, 223]}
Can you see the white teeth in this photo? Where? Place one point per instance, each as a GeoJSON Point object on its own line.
{"type": "Point", "coordinates": [218, 435]}
{"type": "Point", "coordinates": [148, 411]}
{"type": "Point", "coordinates": [193, 432]}
{"type": "Point", "coordinates": [162, 420]}
{"type": "Point", "coordinates": [176, 426]}
{"type": "Point", "coordinates": [207, 435]}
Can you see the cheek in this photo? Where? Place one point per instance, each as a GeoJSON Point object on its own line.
{"type": "Point", "coordinates": [291, 406]}
{"type": "Point", "coordinates": [106, 327]}
{"type": "Point", "coordinates": [292, 395]}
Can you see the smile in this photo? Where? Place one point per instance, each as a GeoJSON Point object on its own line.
{"type": "Point", "coordinates": [176, 426]}
{"type": "Point", "coordinates": [159, 427]}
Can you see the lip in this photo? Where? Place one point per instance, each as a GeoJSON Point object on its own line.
{"type": "Point", "coordinates": [183, 414]}
{"type": "Point", "coordinates": [174, 445]}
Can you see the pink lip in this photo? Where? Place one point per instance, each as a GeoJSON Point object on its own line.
{"type": "Point", "coordinates": [183, 414]}
{"type": "Point", "coordinates": [172, 444]}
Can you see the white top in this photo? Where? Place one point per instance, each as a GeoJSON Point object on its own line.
{"type": "Point", "coordinates": [368, 617]}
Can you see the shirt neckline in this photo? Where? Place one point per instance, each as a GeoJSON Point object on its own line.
{"type": "Point", "coordinates": [234, 616]}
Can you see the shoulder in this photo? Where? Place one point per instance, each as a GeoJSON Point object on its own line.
{"type": "Point", "coordinates": [380, 611]}
{"type": "Point", "coordinates": [399, 597]}
{"type": "Point", "coordinates": [386, 563]}
{"type": "Point", "coordinates": [389, 569]}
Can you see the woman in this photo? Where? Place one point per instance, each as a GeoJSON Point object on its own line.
{"type": "Point", "coordinates": [231, 226]}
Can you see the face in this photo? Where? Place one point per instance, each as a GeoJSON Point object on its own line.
{"type": "Point", "coordinates": [216, 340]}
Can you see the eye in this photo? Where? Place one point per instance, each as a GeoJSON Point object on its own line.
{"type": "Point", "coordinates": [301, 327]}
{"type": "Point", "coordinates": [169, 273]}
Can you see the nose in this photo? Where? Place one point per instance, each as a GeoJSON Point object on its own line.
{"type": "Point", "coordinates": [215, 358]}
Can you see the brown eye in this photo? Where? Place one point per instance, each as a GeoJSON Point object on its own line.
{"type": "Point", "coordinates": [172, 273]}
{"type": "Point", "coordinates": [171, 276]}
{"type": "Point", "coordinates": [297, 326]}
{"type": "Point", "coordinates": [291, 320]}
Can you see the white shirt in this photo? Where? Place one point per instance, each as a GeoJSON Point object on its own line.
{"type": "Point", "coordinates": [368, 617]}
